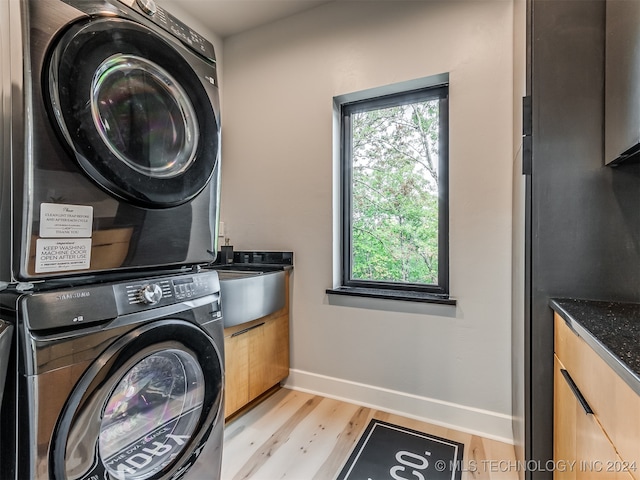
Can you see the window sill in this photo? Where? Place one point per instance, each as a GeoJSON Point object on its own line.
{"type": "Point", "coordinates": [402, 295]}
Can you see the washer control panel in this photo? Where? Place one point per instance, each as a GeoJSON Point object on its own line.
{"type": "Point", "coordinates": [151, 292]}
{"type": "Point", "coordinates": [94, 303]}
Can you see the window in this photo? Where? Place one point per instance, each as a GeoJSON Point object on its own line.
{"type": "Point", "coordinates": [394, 167]}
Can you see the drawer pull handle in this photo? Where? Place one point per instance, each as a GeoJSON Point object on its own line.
{"type": "Point", "coordinates": [576, 391]}
{"type": "Point", "coordinates": [247, 329]}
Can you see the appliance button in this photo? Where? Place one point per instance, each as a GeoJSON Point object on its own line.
{"type": "Point", "coordinates": [150, 294]}
{"type": "Point", "coordinates": [148, 6]}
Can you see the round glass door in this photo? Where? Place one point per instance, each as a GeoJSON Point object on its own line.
{"type": "Point", "coordinates": [151, 414]}
{"type": "Point", "coordinates": [134, 112]}
{"type": "Point", "coordinates": [144, 116]}
{"type": "Point", "coordinates": [144, 408]}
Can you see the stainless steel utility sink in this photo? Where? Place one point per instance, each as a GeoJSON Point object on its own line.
{"type": "Point", "coordinates": [246, 295]}
{"type": "Point", "coordinates": [248, 267]}
{"type": "Point", "coordinates": [234, 274]}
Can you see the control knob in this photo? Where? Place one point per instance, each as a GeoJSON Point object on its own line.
{"type": "Point", "coordinates": [150, 294]}
{"type": "Point", "coordinates": [148, 6]}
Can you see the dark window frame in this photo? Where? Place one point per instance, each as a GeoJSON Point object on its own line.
{"type": "Point", "coordinates": [385, 289]}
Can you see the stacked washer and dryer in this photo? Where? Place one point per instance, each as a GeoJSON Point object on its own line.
{"type": "Point", "coordinates": [110, 333]}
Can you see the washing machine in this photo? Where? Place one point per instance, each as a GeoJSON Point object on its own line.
{"type": "Point", "coordinates": [6, 335]}
{"type": "Point", "coordinates": [110, 140]}
{"type": "Point", "coordinates": [120, 380]}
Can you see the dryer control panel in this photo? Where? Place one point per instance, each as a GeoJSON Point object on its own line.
{"type": "Point", "coordinates": [171, 24]}
{"type": "Point", "coordinates": [154, 13]}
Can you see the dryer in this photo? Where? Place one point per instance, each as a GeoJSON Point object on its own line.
{"type": "Point", "coordinates": [118, 380]}
{"type": "Point", "coordinates": [111, 140]}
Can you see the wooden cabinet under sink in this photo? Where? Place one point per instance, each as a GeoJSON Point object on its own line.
{"type": "Point", "coordinates": [256, 357]}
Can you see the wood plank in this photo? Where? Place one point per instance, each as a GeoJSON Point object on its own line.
{"type": "Point", "coordinates": [295, 435]}
{"type": "Point", "coordinates": [276, 440]}
{"type": "Point", "coordinates": [345, 442]}
{"type": "Point", "coordinates": [308, 445]}
{"type": "Point", "coordinates": [245, 434]}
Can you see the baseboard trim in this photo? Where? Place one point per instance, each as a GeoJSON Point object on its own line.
{"type": "Point", "coordinates": [492, 425]}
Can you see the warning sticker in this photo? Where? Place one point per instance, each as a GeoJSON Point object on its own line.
{"type": "Point", "coordinates": [56, 255]}
{"type": "Point", "coordinates": [65, 221]}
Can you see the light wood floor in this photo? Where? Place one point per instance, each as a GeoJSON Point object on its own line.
{"type": "Point", "coordinates": [299, 436]}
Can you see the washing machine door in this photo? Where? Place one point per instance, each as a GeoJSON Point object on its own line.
{"type": "Point", "coordinates": [6, 335]}
{"type": "Point", "coordinates": [134, 112]}
{"type": "Point", "coordinates": [144, 409]}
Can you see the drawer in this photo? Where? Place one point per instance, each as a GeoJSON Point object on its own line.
{"type": "Point", "coordinates": [579, 441]}
{"type": "Point", "coordinates": [615, 404]}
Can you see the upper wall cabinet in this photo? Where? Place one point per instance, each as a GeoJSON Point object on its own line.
{"type": "Point", "coordinates": [622, 81]}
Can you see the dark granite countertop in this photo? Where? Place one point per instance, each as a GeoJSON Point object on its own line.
{"type": "Point", "coordinates": [255, 261]}
{"type": "Point", "coordinates": [250, 267]}
{"type": "Point", "coordinates": [612, 329]}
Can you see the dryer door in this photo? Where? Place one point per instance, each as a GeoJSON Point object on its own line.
{"type": "Point", "coordinates": [145, 408]}
{"type": "Point", "coordinates": [134, 112]}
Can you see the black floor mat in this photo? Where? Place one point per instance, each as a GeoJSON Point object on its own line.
{"type": "Point", "coordinates": [387, 451]}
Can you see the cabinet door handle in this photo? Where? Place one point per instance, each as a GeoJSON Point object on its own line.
{"type": "Point", "coordinates": [576, 391]}
{"type": "Point", "coordinates": [247, 329]}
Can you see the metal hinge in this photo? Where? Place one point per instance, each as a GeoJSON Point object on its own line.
{"type": "Point", "coordinates": [527, 139]}
{"type": "Point", "coordinates": [17, 286]}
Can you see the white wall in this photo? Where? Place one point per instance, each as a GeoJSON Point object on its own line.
{"type": "Point", "coordinates": [518, 235]}
{"type": "Point", "coordinates": [450, 365]}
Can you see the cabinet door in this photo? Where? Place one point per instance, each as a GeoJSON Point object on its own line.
{"type": "Point", "coordinates": [564, 424]}
{"type": "Point", "coordinates": [277, 331]}
{"type": "Point", "coordinates": [236, 372]}
{"type": "Point", "coordinates": [579, 441]}
{"type": "Point", "coordinates": [616, 405]}
{"type": "Point", "coordinates": [596, 456]}
{"type": "Point", "coordinates": [269, 355]}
